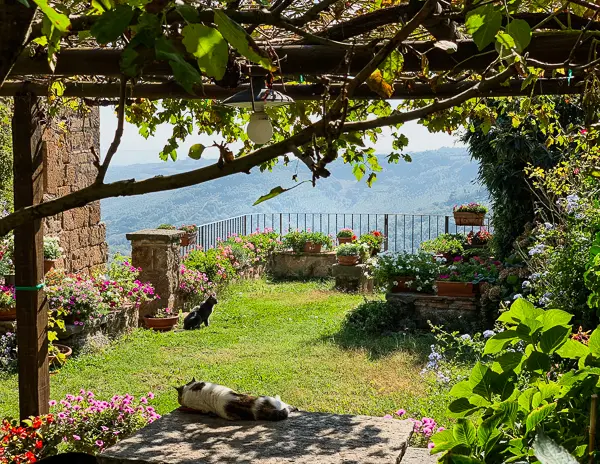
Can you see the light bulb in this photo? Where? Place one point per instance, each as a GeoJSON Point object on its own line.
{"type": "Point", "coordinates": [260, 129]}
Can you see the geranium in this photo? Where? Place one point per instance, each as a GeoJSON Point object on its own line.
{"type": "Point", "coordinates": [374, 240]}
{"type": "Point", "coordinates": [470, 208]}
{"type": "Point", "coordinates": [481, 237]}
{"type": "Point", "coordinates": [164, 313]}
{"type": "Point", "coordinates": [345, 233]}
{"type": "Point", "coordinates": [189, 229]}
{"type": "Point", "coordinates": [7, 297]}
{"type": "Point", "coordinates": [194, 285]}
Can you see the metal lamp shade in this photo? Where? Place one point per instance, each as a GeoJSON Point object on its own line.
{"type": "Point", "coordinates": [262, 97]}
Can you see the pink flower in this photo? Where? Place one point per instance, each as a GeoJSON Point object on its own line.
{"type": "Point", "coordinates": [76, 437]}
{"type": "Point", "coordinates": [388, 416]}
{"type": "Point", "coordinates": [52, 403]}
{"type": "Point", "coordinates": [400, 412]}
{"type": "Point", "coordinates": [143, 400]}
{"type": "Point", "coordinates": [150, 395]}
{"type": "Point", "coordinates": [104, 428]}
{"type": "Point", "coordinates": [441, 429]}
{"type": "Point", "coordinates": [99, 443]}
{"type": "Point", "coordinates": [430, 445]}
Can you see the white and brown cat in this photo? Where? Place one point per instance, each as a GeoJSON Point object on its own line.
{"type": "Point", "coordinates": [210, 398]}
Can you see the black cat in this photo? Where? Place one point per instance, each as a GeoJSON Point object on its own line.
{"type": "Point", "coordinates": [200, 314]}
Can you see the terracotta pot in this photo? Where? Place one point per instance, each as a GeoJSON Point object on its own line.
{"type": "Point", "coordinates": [161, 323]}
{"type": "Point", "coordinates": [48, 265]}
{"type": "Point", "coordinates": [342, 240]}
{"type": "Point", "coordinates": [310, 247]}
{"type": "Point", "coordinates": [347, 260]}
{"type": "Point", "coordinates": [64, 349]}
{"type": "Point", "coordinates": [400, 286]}
{"type": "Point", "coordinates": [464, 218]}
{"type": "Point", "coordinates": [188, 239]}
{"type": "Point", "coordinates": [8, 314]}
{"type": "Point", "coordinates": [462, 289]}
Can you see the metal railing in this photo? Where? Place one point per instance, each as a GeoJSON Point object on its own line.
{"type": "Point", "coordinates": [402, 231]}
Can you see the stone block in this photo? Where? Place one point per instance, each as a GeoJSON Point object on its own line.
{"type": "Point", "coordinates": [62, 191]}
{"type": "Point", "coordinates": [301, 265]}
{"type": "Point", "coordinates": [69, 220]}
{"type": "Point", "coordinates": [303, 438]}
{"type": "Point", "coordinates": [95, 216]}
{"type": "Point", "coordinates": [352, 278]}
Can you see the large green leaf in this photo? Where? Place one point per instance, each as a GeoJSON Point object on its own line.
{"type": "Point", "coordinates": [58, 20]}
{"type": "Point", "coordinates": [185, 74]}
{"type": "Point", "coordinates": [463, 388]}
{"type": "Point", "coordinates": [483, 23]}
{"type": "Point", "coordinates": [538, 362]}
{"type": "Point", "coordinates": [520, 31]}
{"type": "Point", "coordinates": [112, 23]}
{"type": "Point", "coordinates": [553, 338]}
{"type": "Point", "coordinates": [594, 343]}
{"type": "Point", "coordinates": [275, 192]}
{"type": "Point", "coordinates": [488, 428]}
{"type": "Point", "coordinates": [196, 151]}
{"type": "Point", "coordinates": [461, 407]}
{"type": "Point", "coordinates": [239, 39]}
{"type": "Point", "coordinates": [507, 362]}
{"type": "Point", "coordinates": [392, 66]}
{"type": "Point", "coordinates": [549, 452]}
{"type": "Point", "coordinates": [554, 317]}
{"type": "Point", "coordinates": [573, 349]}
{"type": "Point", "coordinates": [519, 311]}
{"type": "Point", "coordinates": [500, 341]}
{"type": "Point", "coordinates": [443, 441]}
{"type": "Point", "coordinates": [209, 47]}
{"type": "Point", "coordinates": [536, 416]}
{"type": "Point", "coordinates": [464, 432]}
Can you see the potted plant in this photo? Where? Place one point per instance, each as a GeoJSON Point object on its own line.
{"type": "Point", "coordinates": [470, 214]}
{"type": "Point", "coordinates": [374, 240]}
{"type": "Point", "coordinates": [477, 239]}
{"type": "Point", "coordinates": [349, 254]}
{"type": "Point", "coordinates": [52, 251]}
{"type": "Point", "coordinates": [164, 319]}
{"type": "Point", "coordinates": [167, 227]}
{"type": "Point", "coordinates": [462, 279]}
{"type": "Point", "coordinates": [345, 235]}
{"type": "Point", "coordinates": [445, 245]}
{"type": "Point", "coordinates": [58, 354]}
{"type": "Point", "coordinates": [190, 234]}
{"type": "Point", "coordinates": [8, 310]}
{"type": "Point", "coordinates": [407, 272]}
{"type": "Point", "coordinates": [315, 241]}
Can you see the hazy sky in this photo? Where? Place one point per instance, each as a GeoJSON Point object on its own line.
{"type": "Point", "coordinates": [136, 149]}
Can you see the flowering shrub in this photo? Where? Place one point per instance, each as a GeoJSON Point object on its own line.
{"type": "Point", "coordinates": [52, 249]}
{"type": "Point", "coordinates": [7, 249]}
{"type": "Point", "coordinates": [423, 428]}
{"type": "Point", "coordinates": [24, 443]}
{"type": "Point", "coordinates": [374, 240]}
{"type": "Point", "coordinates": [421, 266]}
{"type": "Point", "coordinates": [7, 297]}
{"type": "Point", "coordinates": [78, 297]}
{"type": "Point", "coordinates": [194, 285]}
{"type": "Point", "coordinates": [345, 233]}
{"type": "Point", "coordinates": [296, 239]}
{"type": "Point", "coordinates": [163, 313]}
{"type": "Point", "coordinates": [470, 208]}
{"type": "Point", "coordinates": [445, 244]}
{"type": "Point", "coordinates": [8, 351]}
{"type": "Point", "coordinates": [475, 271]}
{"type": "Point", "coordinates": [213, 263]}
{"type": "Point", "coordinates": [482, 237]}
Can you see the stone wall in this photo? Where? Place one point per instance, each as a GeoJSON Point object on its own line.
{"type": "Point", "coordinates": [72, 144]}
{"type": "Point", "coordinates": [285, 264]}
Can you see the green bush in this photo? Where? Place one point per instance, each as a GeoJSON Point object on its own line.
{"type": "Point", "coordinates": [296, 239]}
{"type": "Point", "coordinates": [373, 317]}
{"type": "Point", "coordinates": [445, 243]}
{"type": "Point", "coordinates": [213, 263]}
{"type": "Point", "coordinates": [167, 227]}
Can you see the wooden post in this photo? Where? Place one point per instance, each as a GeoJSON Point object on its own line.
{"type": "Point", "coordinates": [32, 312]}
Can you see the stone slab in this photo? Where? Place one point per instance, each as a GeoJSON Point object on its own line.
{"type": "Point", "coordinates": [303, 438]}
{"type": "Point", "coordinates": [419, 456]}
{"type": "Point", "coordinates": [301, 265]}
{"type": "Point", "coordinates": [158, 235]}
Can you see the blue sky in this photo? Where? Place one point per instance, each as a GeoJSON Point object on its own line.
{"type": "Point", "coordinates": [135, 149]}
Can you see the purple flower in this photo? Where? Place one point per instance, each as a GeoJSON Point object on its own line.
{"type": "Point", "coordinates": [76, 437]}
{"type": "Point", "coordinates": [388, 416]}
{"type": "Point", "coordinates": [52, 403]}
{"type": "Point", "coordinates": [99, 443]}
{"type": "Point", "coordinates": [400, 412]}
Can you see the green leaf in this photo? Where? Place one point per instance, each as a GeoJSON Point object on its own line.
{"type": "Point", "coordinates": [443, 441]}
{"type": "Point", "coordinates": [462, 389]}
{"type": "Point", "coordinates": [500, 341]}
{"type": "Point", "coordinates": [275, 192]}
{"type": "Point", "coordinates": [60, 21]}
{"type": "Point", "coordinates": [353, 138]}
{"type": "Point", "coordinates": [196, 151]}
{"type": "Point", "coordinates": [554, 317]}
{"type": "Point", "coordinates": [519, 311]}
{"type": "Point", "coordinates": [572, 349]}
{"type": "Point", "coordinates": [549, 452]}
{"type": "Point", "coordinates": [505, 40]}
{"type": "Point", "coordinates": [392, 66]}
{"type": "Point", "coordinates": [536, 416]}
{"type": "Point", "coordinates": [359, 171]}
{"type": "Point", "coordinates": [209, 47]}
{"type": "Point", "coordinates": [507, 362]}
{"type": "Point", "coordinates": [594, 343]}
{"type": "Point", "coordinates": [488, 428]}
{"type": "Point", "coordinates": [239, 39]}
{"type": "Point", "coordinates": [112, 23]}
{"type": "Point", "coordinates": [462, 459]}
{"type": "Point", "coordinates": [188, 13]}
{"type": "Point", "coordinates": [553, 338]}
{"type": "Point", "coordinates": [464, 432]}
{"type": "Point", "coordinates": [525, 398]}
{"type": "Point", "coordinates": [483, 23]}
{"type": "Point", "coordinates": [185, 74]}
{"type": "Point", "coordinates": [24, 3]}
{"type": "Point", "coordinates": [520, 31]}
{"type": "Point", "coordinates": [538, 362]}
{"type": "Point", "coordinates": [461, 407]}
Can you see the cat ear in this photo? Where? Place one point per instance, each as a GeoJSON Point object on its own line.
{"type": "Point", "coordinates": [193, 379]}
{"type": "Point", "coordinates": [179, 389]}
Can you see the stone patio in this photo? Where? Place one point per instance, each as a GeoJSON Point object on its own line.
{"type": "Point", "coordinates": [304, 437]}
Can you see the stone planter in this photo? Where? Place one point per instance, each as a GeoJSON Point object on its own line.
{"type": "Point", "coordinates": [48, 265]}
{"type": "Point", "coordinates": [64, 349]}
{"type": "Point", "coordinates": [342, 240]}
{"type": "Point", "coordinates": [161, 323]}
{"type": "Point", "coordinates": [310, 247]}
{"type": "Point", "coordinates": [457, 289]}
{"type": "Point", "coordinates": [347, 260]}
{"type": "Point", "coordinates": [188, 239]}
{"type": "Point", "coordinates": [480, 246]}
{"type": "Point", "coordinates": [464, 218]}
{"type": "Point", "coordinates": [400, 284]}
{"type": "Point", "coordinates": [8, 314]}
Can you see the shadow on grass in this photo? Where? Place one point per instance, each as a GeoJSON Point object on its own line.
{"type": "Point", "coordinates": [381, 345]}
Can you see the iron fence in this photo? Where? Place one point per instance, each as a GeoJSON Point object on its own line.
{"type": "Point", "coordinates": [402, 231]}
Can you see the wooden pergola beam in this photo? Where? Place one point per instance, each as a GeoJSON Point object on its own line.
{"type": "Point", "coordinates": [16, 21]}
{"type": "Point", "coordinates": [299, 92]}
{"type": "Point", "coordinates": [317, 59]}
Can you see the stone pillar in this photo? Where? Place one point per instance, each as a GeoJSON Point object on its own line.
{"type": "Point", "coordinates": [156, 251]}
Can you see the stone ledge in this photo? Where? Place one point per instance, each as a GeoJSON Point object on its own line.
{"type": "Point", "coordinates": [419, 456]}
{"type": "Point", "coordinates": [302, 439]}
{"type": "Point", "coordinates": [156, 235]}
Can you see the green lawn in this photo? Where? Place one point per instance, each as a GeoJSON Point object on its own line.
{"type": "Point", "coordinates": [264, 338]}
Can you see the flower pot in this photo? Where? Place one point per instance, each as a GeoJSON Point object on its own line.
{"type": "Point", "coordinates": [64, 349]}
{"type": "Point", "coordinates": [466, 246]}
{"type": "Point", "coordinates": [342, 240]}
{"type": "Point", "coordinates": [8, 314]}
{"type": "Point", "coordinates": [48, 265]}
{"type": "Point", "coordinates": [399, 284]}
{"type": "Point", "coordinates": [188, 239]}
{"type": "Point", "coordinates": [161, 323]}
{"type": "Point", "coordinates": [461, 289]}
{"type": "Point", "coordinates": [347, 260]}
{"type": "Point", "coordinates": [465, 218]}
{"type": "Point", "coordinates": [310, 247]}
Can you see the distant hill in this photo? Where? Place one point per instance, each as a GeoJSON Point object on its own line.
{"type": "Point", "coordinates": [432, 183]}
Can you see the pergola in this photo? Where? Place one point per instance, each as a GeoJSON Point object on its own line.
{"type": "Point", "coordinates": [327, 50]}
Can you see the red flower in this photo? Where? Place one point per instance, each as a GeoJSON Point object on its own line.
{"type": "Point", "coordinates": [354, 237]}
{"type": "Point", "coordinates": [37, 423]}
{"type": "Point", "coordinates": [30, 457]}
{"type": "Point", "coordinates": [377, 233]}
{"type": "Point", "coordinates": [39, 444]}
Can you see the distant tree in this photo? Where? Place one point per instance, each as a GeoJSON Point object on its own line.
{"type": "Point", "coordinates": [504, 151]}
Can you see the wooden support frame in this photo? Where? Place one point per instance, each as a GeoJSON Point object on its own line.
{"type": "Point", "coordinates": [32, 312]}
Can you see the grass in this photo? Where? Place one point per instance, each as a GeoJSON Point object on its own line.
{"type": "Point", "coordinates": [264, 338]}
